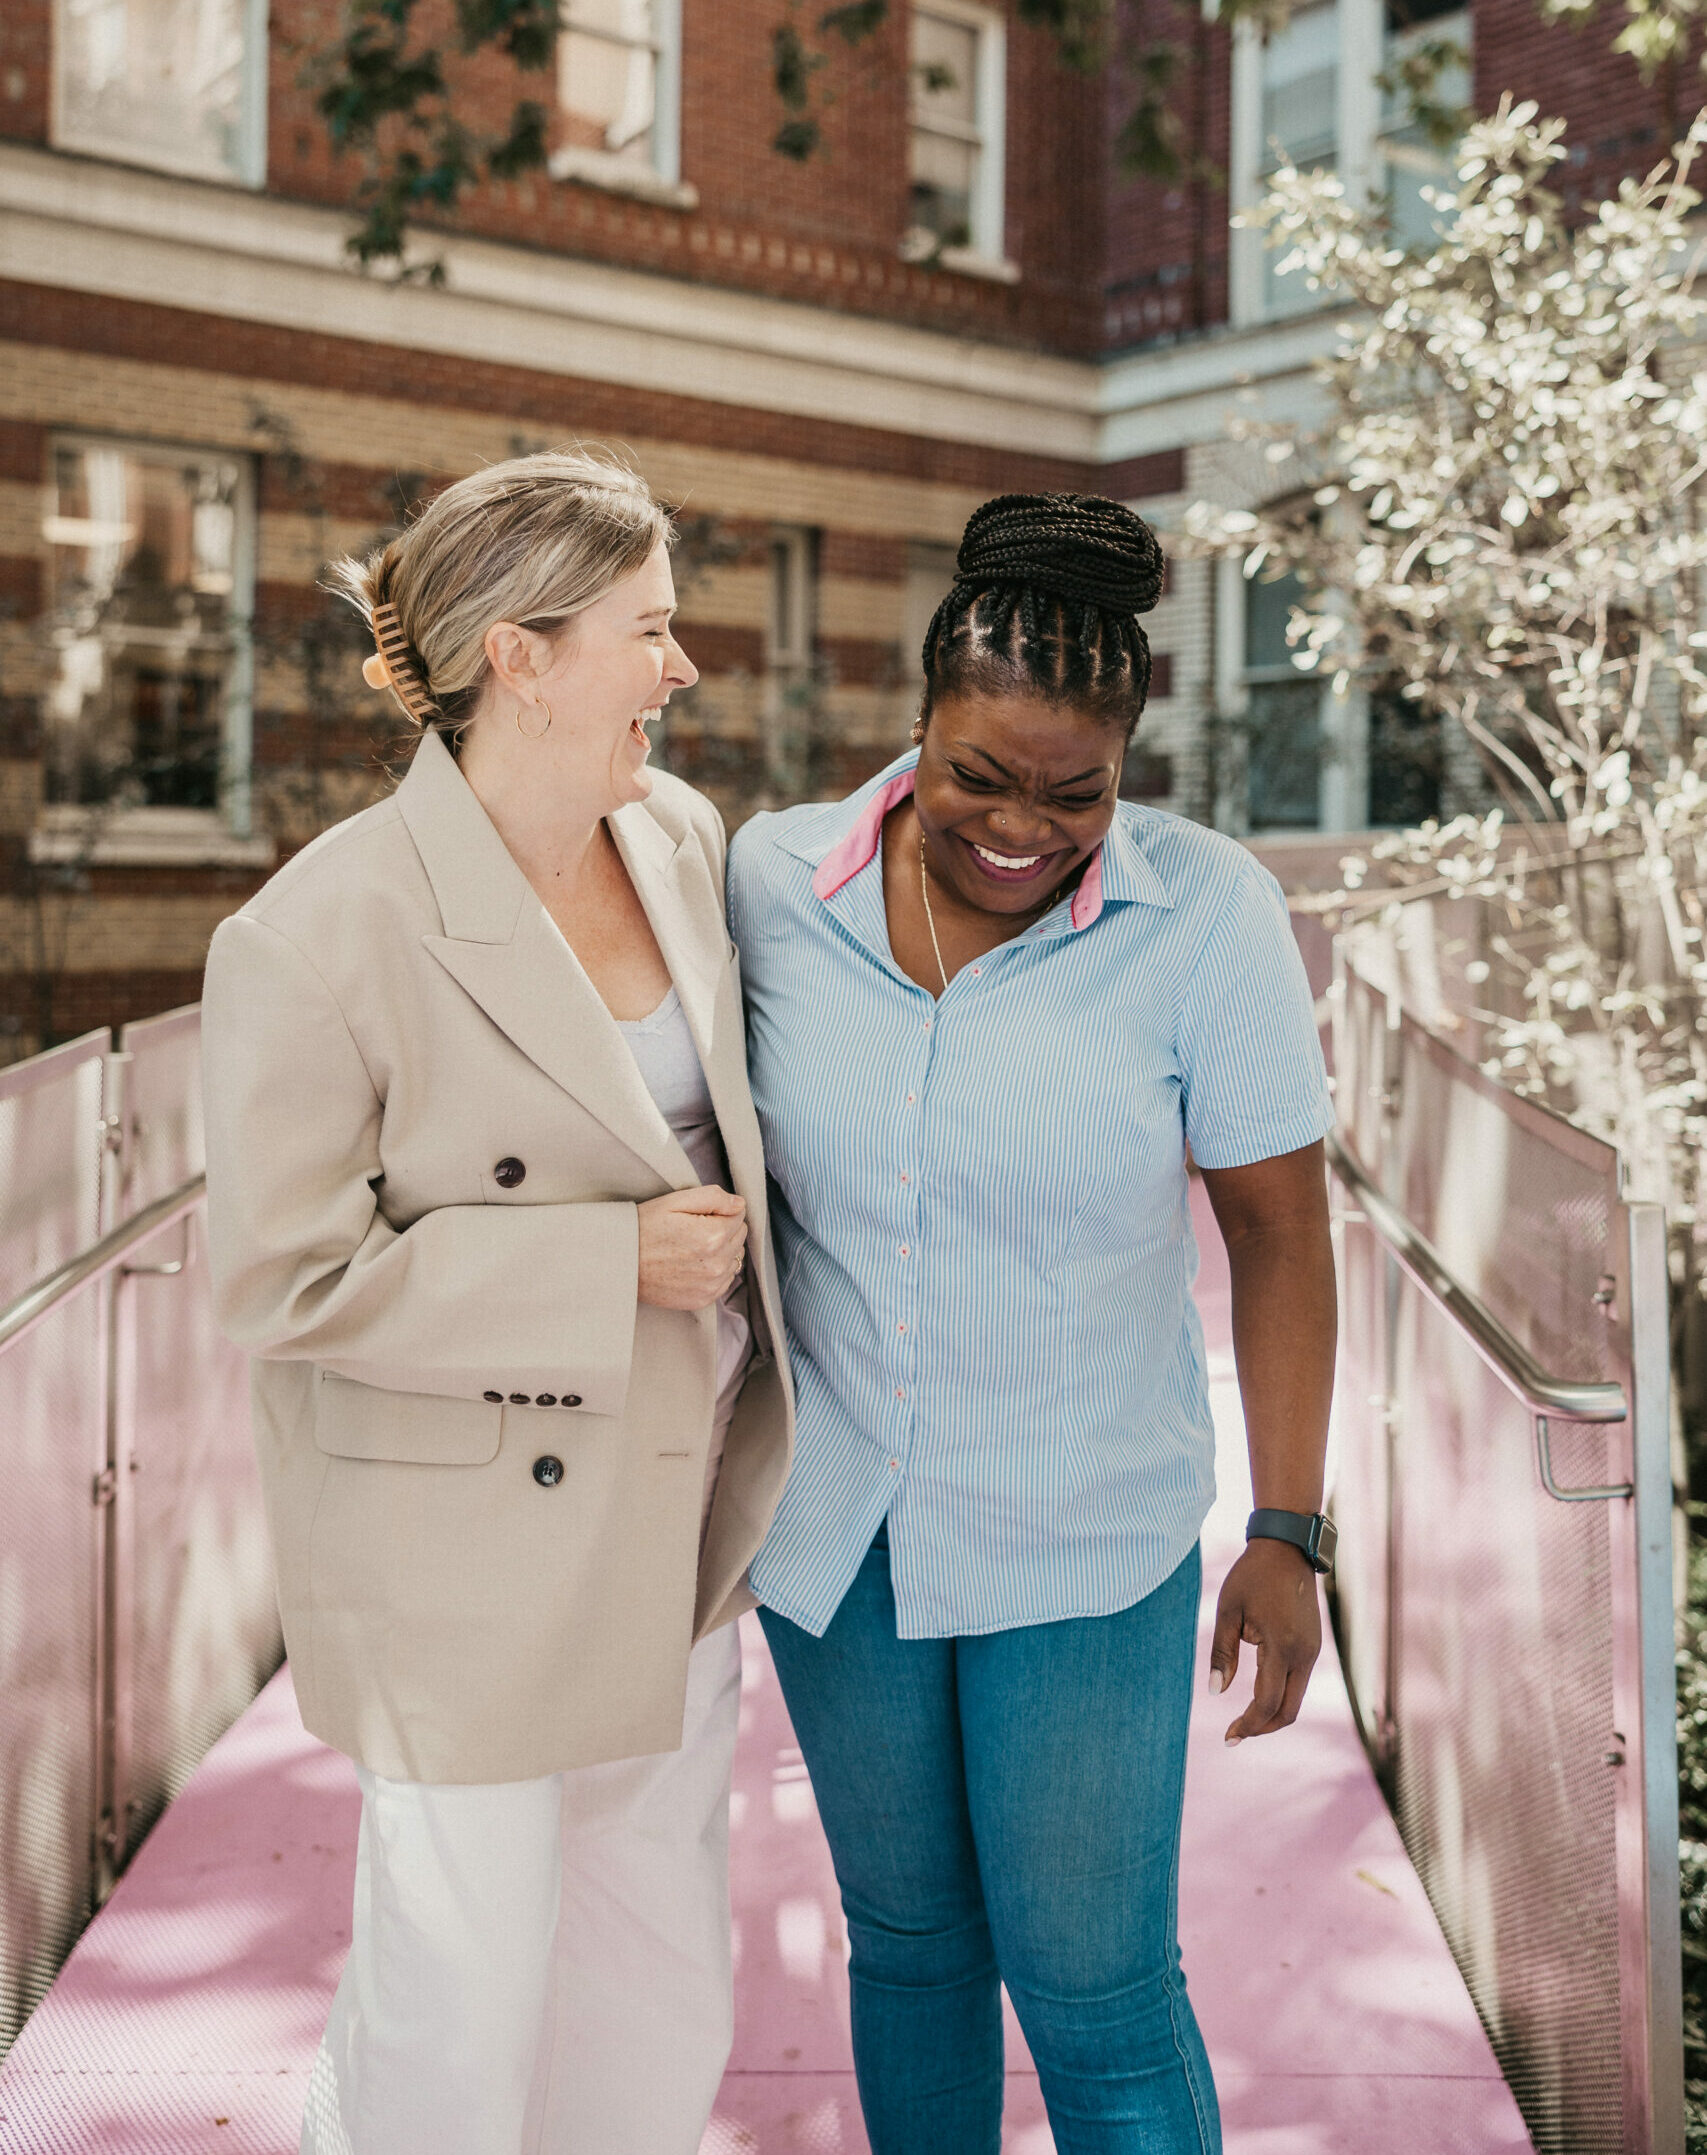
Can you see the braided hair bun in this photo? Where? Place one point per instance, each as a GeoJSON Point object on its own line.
{"type": "Point", "coordinates": [1077, 547]}
{"type": "Point", "coordinates": [1045, 603]}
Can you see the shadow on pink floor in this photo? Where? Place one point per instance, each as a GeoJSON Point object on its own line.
{"type": "Point", "coordinates": [1337, 2024]}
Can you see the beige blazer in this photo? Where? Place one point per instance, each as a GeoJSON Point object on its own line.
{"type": "Point", "coordinates": [426, 1140]}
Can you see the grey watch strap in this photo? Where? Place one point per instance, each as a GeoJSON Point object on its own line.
{"type": "Point", "coordinates": [1313, 1532]}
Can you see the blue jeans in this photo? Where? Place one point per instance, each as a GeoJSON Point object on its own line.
{"type": "Point", "coordinates": [1007, 1809]}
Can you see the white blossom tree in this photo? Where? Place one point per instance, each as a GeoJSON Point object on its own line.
{"type": "Point", "coordinates": [1511, 537]}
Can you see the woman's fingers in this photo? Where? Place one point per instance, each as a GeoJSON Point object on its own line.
{"type": "Point", "coordinates": [1269, 1600]}
{"type": "Point", "coordinates": [692, 1243]}
{"type": "Point", "coordinates": [708, 1201]}
{"type": "Point", "coordinates": [1224, 1647]}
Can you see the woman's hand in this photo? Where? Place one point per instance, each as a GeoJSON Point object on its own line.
{"type": "Point", "coordinates": [691, 1246]}
{"type": "Point", "coordinates": [1268, 1601]}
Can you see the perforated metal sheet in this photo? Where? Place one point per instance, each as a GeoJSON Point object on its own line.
{"type": "Point", "coordinates": [1479, 1639]}
{"type": "Point", "coordinates": [204, 1631]}
{"type": "Point", "coordinates": [52, 1444]}
{"type": "Point", "coordinates": [1518, 1203]}
{"type": "Point", "coordinates": [50, 1160]}
{"type": "Point", "coordinates": [131, 1632]}
{"type": "Point", "coordinates": [1504, 1776]}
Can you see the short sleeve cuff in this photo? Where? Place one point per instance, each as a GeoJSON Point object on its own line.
{"type": "Point", "coordinates": [1242, 1145]}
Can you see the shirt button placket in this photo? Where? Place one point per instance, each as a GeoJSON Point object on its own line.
{"type": "Point", "coordinates": [906, 1321]}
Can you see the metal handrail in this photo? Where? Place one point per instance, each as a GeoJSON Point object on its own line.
{"type": "Point", "coordinates": [1571, 1399]}
{"type": "Point", "coordinates": [41, 1300]}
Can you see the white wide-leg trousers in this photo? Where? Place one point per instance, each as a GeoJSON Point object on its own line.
{"type": "Point", "coordinates": [541, 1967]}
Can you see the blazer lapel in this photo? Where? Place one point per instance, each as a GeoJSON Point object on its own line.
{"type": "Point", "coordinates": [501, 947]}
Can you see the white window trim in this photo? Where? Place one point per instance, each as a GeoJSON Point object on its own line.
{"type": "Point", "coordinates": [1357, 127]}
{"type": "Point", "coordinates": [797, 541]}
{"type": "Point", "coordinates": [252, 160]}
{"type": "Point", "coordinates": [179, 837]}
{"type": "Point", "coordinates": [987, 254]}
{"type": "Point", "coordinates": [661, 181]}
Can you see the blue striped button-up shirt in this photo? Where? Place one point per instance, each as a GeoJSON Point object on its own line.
{"type": "Point", "coordinates": [981, 1210]}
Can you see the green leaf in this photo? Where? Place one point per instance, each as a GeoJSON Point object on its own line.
{"type": "Point", "coordinates": [856, 22]}
{"type": "Point", "coordinates": [525, 29]}
{"type": "Point", "coordinates": [797, 139]}
{"type": "Point", "coordinates": [524, 148]}
{"type": "Point", "coordinates": [792, 67]}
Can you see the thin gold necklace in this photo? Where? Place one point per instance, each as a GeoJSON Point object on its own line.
{"type": "Point", "coordinates": [930, 917]}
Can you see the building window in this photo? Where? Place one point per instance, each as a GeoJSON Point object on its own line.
{"type": "Point", "coordinates": [788, 708]}
{"type": "Point", "coordinates": [958, 78]}
{"type": "Point", "coordinates": [791, 626]}
{"type": "Point", "coordinates": [1283, 715]}
{"type": "Point", "coordinates": [1299, 119]}
{"type": "Point", "coordinates": [1405, 761]}
{"type": "Point", "coordinates": [619, 96]}
{"type": "Point", "coordinates": [146, 718]}
{"type": "Point", "coordinates": [1436, 32]}
{"type": "Point", "coordinates": [178, 84]}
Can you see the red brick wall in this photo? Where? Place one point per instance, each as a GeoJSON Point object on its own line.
{"type": "Point", "coordinates": [1164, 267]}
{"type": "Point", "coordinates": [825, 232]}
{"type": "Point", "coordinates": [1616, 124]}
{"type": "Point", "coordinates": [24, 81]}
{"type": "Point", "coordinates": [1165, 264]}
{"type": "Point", "coordinates": [1108, 261]}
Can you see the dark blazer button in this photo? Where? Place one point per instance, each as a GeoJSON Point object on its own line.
{"type": "Point", "coordinates": [546, 1399]}
{"type": "Point", "coordinates": [497, 1398]}
{"type": "Point", "coordinates": [508, 1173]}
{"type": "Point", "coordinates": [548, 1472]}
{"type": "Point", "coordinates": [520, 1399]}
{"type": "Point", "coordinates": [571, 1399]}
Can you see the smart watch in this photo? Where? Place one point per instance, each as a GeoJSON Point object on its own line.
{"type": "Point", "coordinates": [1312, 1531]}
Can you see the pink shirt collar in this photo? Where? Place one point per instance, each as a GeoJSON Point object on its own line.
{"type": "Point", "coordinates": [858, 850]}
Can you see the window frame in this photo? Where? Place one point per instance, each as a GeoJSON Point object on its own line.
{"type": "Point", "coordinates": [792, 557]}
{"type": "Point", "coordinates": [248, 170]}
{"type": "Point", "coordinates": [1396, 143]}
{"type": "Point", "coordinates": [661, 179]}
{"type": "Point", "coordinates": [985, 253]}
{"type": "Point", "coordinates": [223, 835]}
{"type": "Point", "coordinates": [1342, 725]}
{"type": "Point", "coordinates": [1360, 26]}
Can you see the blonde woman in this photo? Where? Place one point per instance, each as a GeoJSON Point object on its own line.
{"type": "Point", "coordinates": [487, 1206]}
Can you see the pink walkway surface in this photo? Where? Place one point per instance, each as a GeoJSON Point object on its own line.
{"type": "Point", "coordinates": [187, 2017]}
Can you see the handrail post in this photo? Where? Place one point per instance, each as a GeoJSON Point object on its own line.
{"type": "Point", "coordinates": [1645, 1705]}
{"type": "Point", "coordinates": [112, 1626]}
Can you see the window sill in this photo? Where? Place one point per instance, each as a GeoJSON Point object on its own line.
{"type": "Point", "coordinates": [143, 838]}
{"type": "Point", "coordinates": [968, 262]}
{"type": "Point", "coordinates": [592, 168]}
{"type": "Point", "coordinates": [963, 261]}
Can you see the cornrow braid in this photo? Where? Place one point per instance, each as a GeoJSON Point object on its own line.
{"type": "Point", "coordinates": [1046, 597]}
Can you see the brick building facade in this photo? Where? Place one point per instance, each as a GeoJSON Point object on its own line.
{"type": "Point", "coordinates": [827, 364]}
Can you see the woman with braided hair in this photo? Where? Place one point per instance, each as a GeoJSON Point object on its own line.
{"type": "Point", "coordinates": [989, 1006]}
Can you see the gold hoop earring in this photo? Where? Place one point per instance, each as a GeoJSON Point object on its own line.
{"type": "Point", "coordinates": [543, 731]}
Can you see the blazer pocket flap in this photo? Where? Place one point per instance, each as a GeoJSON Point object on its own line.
{"type": "Point", "coordinates": [363, 1421]}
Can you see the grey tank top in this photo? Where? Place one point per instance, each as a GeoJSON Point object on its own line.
{"type": "Point", "coordinates": [663, 1049]}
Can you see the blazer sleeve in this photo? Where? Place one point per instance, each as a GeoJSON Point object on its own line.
{"type": "Point", "coordinates": [468, 1299]}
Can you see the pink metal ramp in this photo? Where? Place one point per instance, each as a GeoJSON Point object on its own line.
{"type": "Point", "coordinates": [185, 2021]}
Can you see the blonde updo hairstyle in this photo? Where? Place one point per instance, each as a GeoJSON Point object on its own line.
{"type": "Point", "coordinates": [534, 541]}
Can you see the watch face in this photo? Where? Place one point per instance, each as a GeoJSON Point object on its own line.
{"type": "Point", "coordinates": [1327, 1541]}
